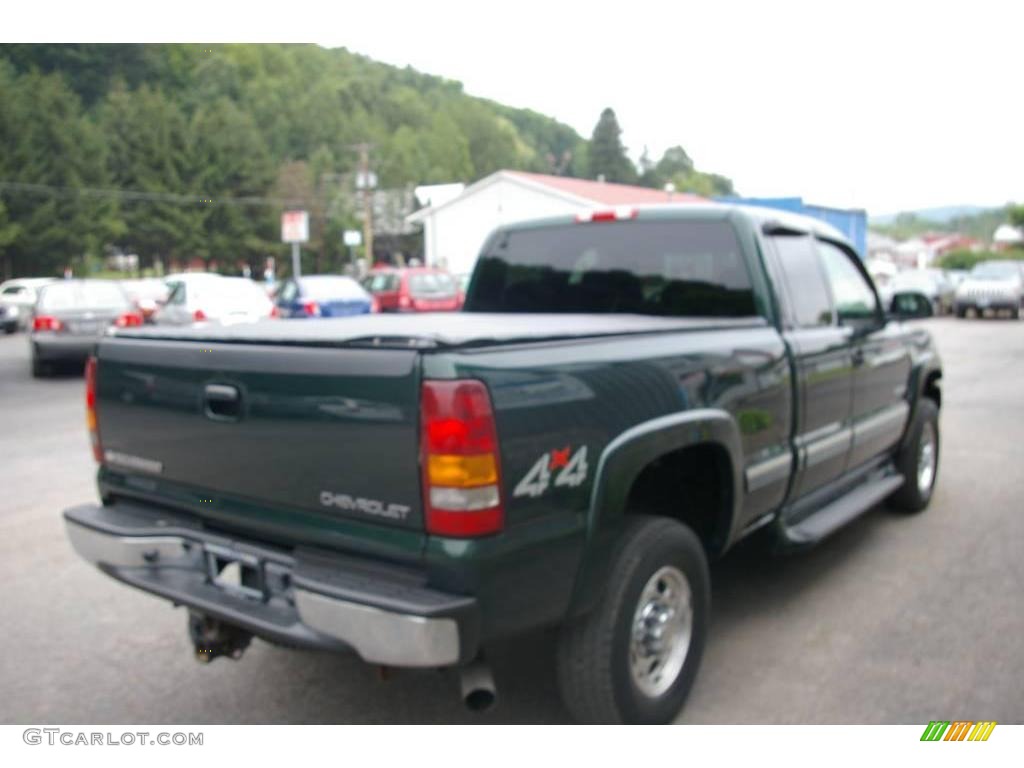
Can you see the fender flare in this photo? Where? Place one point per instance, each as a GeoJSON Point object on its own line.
{"type": "Point", "coordinates": [927, 367]}
{"type": "Point", "coordinates": [619, 465]}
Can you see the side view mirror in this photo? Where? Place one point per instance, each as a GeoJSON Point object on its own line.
{"type": "Point", "coordinates": [908, 305]}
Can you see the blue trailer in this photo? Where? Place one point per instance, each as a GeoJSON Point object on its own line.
{"type": "Point", "coordinates": [852, 222]}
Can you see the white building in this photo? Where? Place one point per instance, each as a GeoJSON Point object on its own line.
{"type": "Point", "coordinates": [1008, 236]}
{"type": "Point", "coordinates": [455, 230]}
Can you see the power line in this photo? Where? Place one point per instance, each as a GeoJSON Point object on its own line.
{"type": "Point", "coordinates": [162, 197]}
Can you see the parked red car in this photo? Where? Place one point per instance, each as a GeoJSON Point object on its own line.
{"type": "Point", "coordinates": [413, 289]}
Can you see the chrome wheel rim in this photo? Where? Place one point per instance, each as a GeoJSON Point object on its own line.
{"type": "Point", "coordinates": [661, 631]}
{"type": "Point", "coordinates": [926, 459]}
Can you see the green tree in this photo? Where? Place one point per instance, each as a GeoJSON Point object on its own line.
{"type": "Point", "coordinates": [220, 122]}
{"type": "Point", "coordinates": [673, 163]}
{"type": "Point", "coordinates": [492, 143]}
{"type": "Point", "coordinates": [47, 141]}
{"type": "Point", "coordinates": [229, 160]}
{"type": "Point", "coordinates": [649, 176]}
{"type": "Point", "coordinates": [149, 149]}
{"type": "Point", "coordinates": [9, 231]}
{"type": "Point", "coordinates": [606, 155]}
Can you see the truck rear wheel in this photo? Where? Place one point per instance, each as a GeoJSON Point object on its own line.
{"type": "Point", "coordinates": [634, 658]}
{"type": "Point", "coordinates": [918, 459]}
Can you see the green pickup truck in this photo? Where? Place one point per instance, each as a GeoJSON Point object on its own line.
{"type": "Point", "coordinates": [626, 395]}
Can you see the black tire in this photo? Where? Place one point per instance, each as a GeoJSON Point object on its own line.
{"type": "Point", "coordinates": [39, 368]}
{"type": "Point", "coordinates": [911, 497]}
{"type": "Point", "coordinates": [594, 674]}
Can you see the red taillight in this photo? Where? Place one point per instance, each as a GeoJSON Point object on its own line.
{"type": "Point", "coordinates": [311, 308]}
{"type": "Point", "coordinates": [46, 323]}
{"type": "Point", "coordinates": [614, 214]}
{"type": "Point", "coordinates": [461, 468]}
{"type": "Point", "coordinates": [274, 311]}
{"type": "Point", "coordinates": [374, 304]}
{"type": "Point", "coordinates": [128, 320]}
{"type": "Point", "coordinates": [90, 409]}
{"type": "Point", "coordinates": [199, 315]}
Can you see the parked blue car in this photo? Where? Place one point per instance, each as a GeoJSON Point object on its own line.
{"type": "Point", "coordinates": [323, 296]}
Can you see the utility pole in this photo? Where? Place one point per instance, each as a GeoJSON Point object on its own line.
{"type": "Point", "coordinates": [366, 181]}
{"type": "Point", "coordinates": [296, 262]}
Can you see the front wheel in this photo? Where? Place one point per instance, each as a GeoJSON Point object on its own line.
{"type": "Point", "coordinates": [634, 658]}
{"type": "Point", "coordinates": [918, 459]}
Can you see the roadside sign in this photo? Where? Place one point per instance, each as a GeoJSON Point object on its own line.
{"type": "Point", "coordinates": [294, 227]}
{"type": "Point", "coordinates": [366, 180]}
{"type": "Point", "coordinates": [353, 238]}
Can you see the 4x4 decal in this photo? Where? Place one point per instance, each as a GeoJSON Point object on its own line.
{"type": "Point", "coordinates": [572, 471]}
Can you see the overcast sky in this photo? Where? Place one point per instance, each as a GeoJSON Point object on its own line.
{"type": "Point", "coordinates": [886, 107]}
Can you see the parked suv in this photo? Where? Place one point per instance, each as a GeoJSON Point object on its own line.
{"type": "Point", "coordinates": [994, 285]}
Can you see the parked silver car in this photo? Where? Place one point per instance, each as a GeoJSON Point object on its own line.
{"type": "Point", "coordinates": [69, 317]}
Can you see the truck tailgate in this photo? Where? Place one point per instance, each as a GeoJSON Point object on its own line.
{"type": "Point", "coordinates": [323, 434]}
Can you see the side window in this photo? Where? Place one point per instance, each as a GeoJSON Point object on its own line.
{"type": "Point", "coordinates": [808, 294]}
{"type": "Point", "coordinates": [289, 292]}
{"type": "Point", "coordinates": [177, 294]}
{"type": "Point", "coordinates": [853, 295]}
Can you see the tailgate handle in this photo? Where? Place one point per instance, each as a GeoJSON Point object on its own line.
{"type": "Point", "coordinates": [223, 401]}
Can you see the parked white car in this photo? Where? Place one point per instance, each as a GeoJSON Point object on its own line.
{"type": "Point", "coordinates": [932, 283]}
{"type": "Point", "coordinates": [21, 294]}
{"type": "Point", "coordinates": [992, 285]}
{"type": "Point", "coordinates": [198, 297]}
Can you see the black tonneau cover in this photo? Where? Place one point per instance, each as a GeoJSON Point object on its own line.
{"type": "Point", "coordinates": [441, 329]}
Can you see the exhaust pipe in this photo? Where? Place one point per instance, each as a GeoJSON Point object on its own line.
{"type": "Point", "coordinates": [213, 638]}
{"type": "Point", "coordinates": [476, 684]}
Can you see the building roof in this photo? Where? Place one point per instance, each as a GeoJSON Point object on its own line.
{"type": "Point", "coordinates": [605, 192]}
{"type": "Point", "coordinates": [580, 191]}
{"type": "Point", "coordinates": [437, 194]}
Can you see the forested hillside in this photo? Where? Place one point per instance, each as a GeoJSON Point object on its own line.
{"type": "Point", "coordinates": [182, 151]}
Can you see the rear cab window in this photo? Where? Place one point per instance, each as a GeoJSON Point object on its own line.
{"type": "Point", "coordinates": [382, 282]}
{"type": "Point", "coordinates": [432, 285]}
{"type": "Point", "coordinates": [330, 287]}
{"type": "Point", "coordinates": [97, 295]}
{"type": "Point", "coordinates": [669, 267]}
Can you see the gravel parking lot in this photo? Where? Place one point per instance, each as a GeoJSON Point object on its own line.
{"type": "Point", "coordinates": [893, 620]}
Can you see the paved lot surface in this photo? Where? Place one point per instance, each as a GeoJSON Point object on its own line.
{"type": "Point", "coordinates": [893, 620]}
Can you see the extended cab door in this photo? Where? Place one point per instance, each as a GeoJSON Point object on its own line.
{"type": "Point", "coordinates": [823, 362]}
{"type": "Point", "coordinates": [881, 358]}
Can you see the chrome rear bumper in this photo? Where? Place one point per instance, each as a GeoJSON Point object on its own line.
{"type": "Point", "coordinates": [385, 614]}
